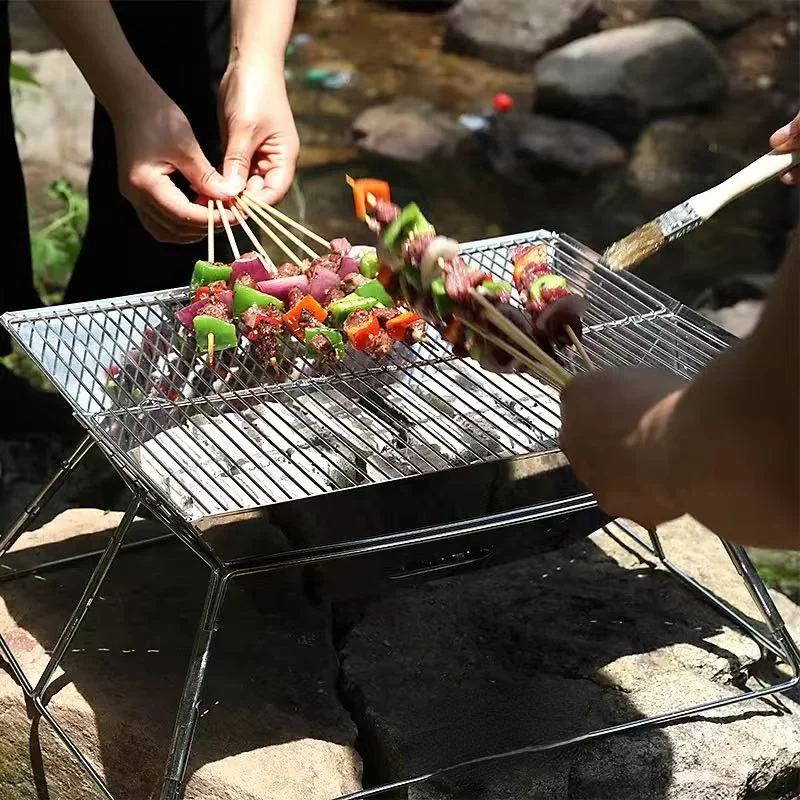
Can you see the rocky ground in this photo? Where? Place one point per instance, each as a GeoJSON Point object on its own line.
{"type": "Point", "coordinates": [311, 700]}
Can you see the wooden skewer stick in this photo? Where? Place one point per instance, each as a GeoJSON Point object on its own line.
{"type": "Point", "coordinates": [278, 241]}
{"type": "Point", "coordinates": [251, 236]}
{"type": "Point", "coordinates": [587, 362]}
{"type": "Point", "coordinates": [210, 231]}
{"type": "Point", "coordinates": [289, 221]}
{"type": "Point", "coordinates": [210, 358]}
{"type": "Point", "coordinates": [275, 224]}
{"type": "Point", "coordinates": [534, 366]}
{"type": "Point", "coordinates": [228, 231]}
{"type": "Point", "coordinates": [527, 344]}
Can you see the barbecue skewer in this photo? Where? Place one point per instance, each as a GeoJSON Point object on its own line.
{"type": "Point", "coordinates": [277, 240]}
{"type": "Point", "coordinates": [523, 341]}
{"type": "Point", "coordinates": [289, 221]}
{"type": "Point", "coordinates": [250, 235]}
{"type": "Point", "coordinates": [501, 344]}
{"type": "Point", "coordinates": [210, 231]}
{"type": "Point", "coordinates": [578, 345]}
{"type": "Point", "coordinates": [652, 236]}
{"type": "Point", "coordinates": [277, 225]}
{"type": "Point", "coordinates": [228, 231]}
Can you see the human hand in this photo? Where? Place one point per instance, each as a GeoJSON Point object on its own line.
{"type": "Point", "coordinates": [787, 140]}
{"type": "Point", "coordinates": [154, 141]}
{"type": "Point", "coordinates": [258, 131]}
{"type": "Point", "coordinates": [613, 432]}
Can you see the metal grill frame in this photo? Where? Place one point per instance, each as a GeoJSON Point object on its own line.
{"type": "Point", "coordinates": [663, 333]}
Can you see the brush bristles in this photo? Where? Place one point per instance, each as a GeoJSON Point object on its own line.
{"type": "Point", "coordinates": [635, 247]}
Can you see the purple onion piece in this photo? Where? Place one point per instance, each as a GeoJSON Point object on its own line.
{"type": "Point", "coordinates": [552, 321]}
{"type": "Point", "coordinates": [282, 287]}
{"type": "Point", "coordinates": [341, 246]}
{"type": "Point", "coordinates": [348, 266]}
{"type": "Point", "coordinates": [252, 264]}
{"type": "Point", "coordinates": [187, 314]}
{"type": "Point", "coordinates": [323, 281]}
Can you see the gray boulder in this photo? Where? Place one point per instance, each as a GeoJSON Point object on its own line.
{"type": "Point", "coordinates": [620, 79]}
{"type": "Point", "coordinates": [514, 33]}
{"type": "Point", "coordinates": [407, 129]}
{"type": "Point", "coordinates": [713, 16]}
{"type": "Point", "coordinates": [527, 143]}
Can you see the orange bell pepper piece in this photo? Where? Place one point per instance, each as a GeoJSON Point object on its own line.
{"type": "Point", "coordinates": [292, 317]}
{"type": "Point", "coordinates": [360, 335]}
{"type": "Point", "coordinates": [365, 192]}
{"type": "Point", "coordinates": [398, 326]}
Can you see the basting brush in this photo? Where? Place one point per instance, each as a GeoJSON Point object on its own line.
{"type": "Point", "coordinates": [692, 213]}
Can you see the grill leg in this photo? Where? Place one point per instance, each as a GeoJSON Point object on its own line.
{"type": "Point", "coordinates": [189, 709]}
{"type": "Point", "coordinates": [35, 507]}
{"type": "Point", "coordinates": [87, 598]}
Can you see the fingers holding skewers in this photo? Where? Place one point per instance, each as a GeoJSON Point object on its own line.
{"type": "Point", "coordinates": [787, 140]}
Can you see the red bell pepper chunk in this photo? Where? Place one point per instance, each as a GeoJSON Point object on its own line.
{"type": "Point", "coordinates": [202, 291]}
{"type": "Point", "coordinates": [360, 333]}
{"type": "Point", "coordinates": [292, 317]}
{"type": "Point", "coordinates": [398, 326]}
{"type": "Point", "coordinates": [385, 277]}
{"type": "Point", "coordinates": [362, 188]}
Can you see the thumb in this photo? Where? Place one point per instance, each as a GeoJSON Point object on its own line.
{"type": "Point", "coordinates": [205, 180]}
{"type": "Point", "coordinates": [238, 158]}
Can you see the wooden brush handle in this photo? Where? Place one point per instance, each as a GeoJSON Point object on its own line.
{"type": "Point", "coordinates": [769, 166]}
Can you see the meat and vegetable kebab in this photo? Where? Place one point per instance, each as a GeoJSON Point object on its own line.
{"type": "Point", "coordinates": [427, 270]}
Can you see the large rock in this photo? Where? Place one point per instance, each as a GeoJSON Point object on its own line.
{"type": "Point", "coordinates": [523, 144]}
{"type": "Point", "coordinates": [619, 79]}
{"type": "Point", "coordinates": [713, 16]}
{"type": "Point", "coordinates": [407, 129]}
{"type": "Point", "coordinates": [271, 727]}
{"type": "Point", "coordinates": [555, 646]}
{"type": "Point", "coordinates": [514, 33]}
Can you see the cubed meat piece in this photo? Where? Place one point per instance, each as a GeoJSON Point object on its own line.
{"type": "Point", "coordinates": [385, 314]}
{"type": "Point", "coordinates": [457, 279]}
{"type": "Point", "coordinates": [218, 310]}
{"type": "Point", "coordinates": [288, 270]}
{"type": "Point", "coordinates": [331, 296]}
{"type": "Point", "coordinates": [379, 345]}
{"type": "Point", "coordinates": [324, 351]}
{"type": "Point", "coordinates": [414, 249]}
{"type": "Point", "coordinates": [385, 212]}
{"type": "Point", "coordinates": [246, 279]}
{"type": "Point", "coordinates": [341, 246]}
{"type": "Point", "coordinates": [352, 282]}
{"type": "Point", "coordinates": [295, 296]}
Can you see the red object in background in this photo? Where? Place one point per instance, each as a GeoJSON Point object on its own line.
{"type": "Point", "coordinates": [503, 102]}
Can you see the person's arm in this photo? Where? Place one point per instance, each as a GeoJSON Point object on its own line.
{"type": "Point", "coordinates": [258, 131]}
{"type": "Point", "coordinates": [154, 138]}
{"type": "Point", "coordinates": [724, 448]}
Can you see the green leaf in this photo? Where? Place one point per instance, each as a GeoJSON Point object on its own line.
{"type": "Point", "coordinates": [20, 74]}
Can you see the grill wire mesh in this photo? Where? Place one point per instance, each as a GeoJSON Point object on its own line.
{"type": "Point", "coordinates": [241, 435]}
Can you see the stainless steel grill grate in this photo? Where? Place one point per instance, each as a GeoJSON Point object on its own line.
{"type": "Point", "coordinates": [238, 436]}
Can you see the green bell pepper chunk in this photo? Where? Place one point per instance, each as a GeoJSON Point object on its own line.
{"type": "Point", "coordinates": [370, 265]}
{"type": "Point", "coordinates": [225, 335]}
{"type": "Point", "coordinates": [375, 289]}
{"type": "Point", "coordinates": [547, 281]}
{"type": "Point", "coordinates": [340, 310]}
{"type": "Point", "coordinates": [444, 304]}
{"type": "Point", "coordinates": [409, 221]}
{"type": "Point", "coordinates": [205, 272]}
{"type": "Point", "coordinates": [245, 297]}
{"type": "Point", "coordinates": [334, 337]}
{"type": "Point", "coordinates": [496, 287]}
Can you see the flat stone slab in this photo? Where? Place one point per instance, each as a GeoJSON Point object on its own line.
{"type": "Point", "coordinates": [271, 727]}
{"type": "Point", "coordinates": [555, 646]}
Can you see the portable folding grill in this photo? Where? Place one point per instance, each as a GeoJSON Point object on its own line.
{"type": "Point", "coordinates": [202, 446]}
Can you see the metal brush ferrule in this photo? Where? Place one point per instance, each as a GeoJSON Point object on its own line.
{"type": "Point", "coordinates": [678, 221]}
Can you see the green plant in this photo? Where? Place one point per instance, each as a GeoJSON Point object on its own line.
{"type": "Point", "coordinates": [55, 247]}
